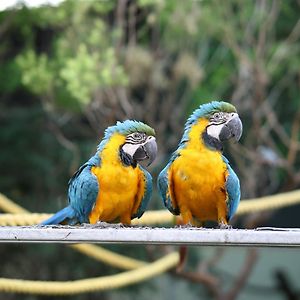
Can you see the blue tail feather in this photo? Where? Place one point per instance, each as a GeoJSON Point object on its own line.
{"type": "Point", "coordinates": [66, 214]}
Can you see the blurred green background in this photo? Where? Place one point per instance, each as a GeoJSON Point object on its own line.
{"type": "Point", "coordinates": [69, 71]}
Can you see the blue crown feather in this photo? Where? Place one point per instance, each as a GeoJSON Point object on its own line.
{"type": "Point", "coordinates": [125, 128]}
{"type": "Point", "coordinates": [208, 109]}
{"type": "Point", "coordinates": [204, 111]}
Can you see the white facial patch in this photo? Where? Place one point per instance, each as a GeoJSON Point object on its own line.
{"type": "Point", "coordinates": [130, 149]}
{"type": "Point", "coordinates": [214, 130]}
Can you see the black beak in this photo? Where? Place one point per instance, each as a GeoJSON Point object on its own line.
{"type": "Point", "coordinates": [147, 151]}
{"type": "Point", "coordinates": [232, 128]}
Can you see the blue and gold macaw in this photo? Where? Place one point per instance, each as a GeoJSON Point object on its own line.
{"type": "Point", "coordinates": [198, 183]}
{"type": "Point", "coordinates": [112, 186]}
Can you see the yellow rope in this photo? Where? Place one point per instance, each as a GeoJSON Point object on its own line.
{"type": "Point", "coordinates": [140, 272]}
{"type": "Point", "coordinates": [23, 219]}
{"type": "Point", "coordinates": [109, 257]}
{"type": "Point", "coordinates": [11, 207]}
{"type": "Point", "coordinates": [155, 217]}
{"type": "Point", "coordinates": [269, 202]}
{"type": "Point", "coordinates": [96, 252]}
{"type": "Point", "coordinates": [152, 217]}
{"type": "Point", "coordinates": [91, 284]}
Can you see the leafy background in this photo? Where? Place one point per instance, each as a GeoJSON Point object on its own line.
{"type": "Point", "coordinates": [69, 71]}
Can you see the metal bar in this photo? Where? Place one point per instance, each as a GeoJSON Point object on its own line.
{"type": "Point", "coordinates": [113, 234]}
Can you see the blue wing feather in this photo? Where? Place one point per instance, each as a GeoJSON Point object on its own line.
{"type": "Point", "coordinates": [147, 194]}
{"type": "Point", "coordinates": [84, 189]}
{"type": "Point", "coordinates": [164, 189]}
{"type": "Point", "coordinates": [82, 194]}
{"type": "Point", "coordinates": [233, 190]}
{"type": "Point", "coordinates": [66, 214]}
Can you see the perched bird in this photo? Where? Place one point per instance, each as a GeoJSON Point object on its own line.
{"type": "Point", "coordinates": [112, 186]}
{"type": "Point", "coordinates": [198, 183]}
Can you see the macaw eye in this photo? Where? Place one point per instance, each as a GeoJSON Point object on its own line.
{"type": "Point", "coordinates": [137, 135]}
{"type": "Point", "coordinates": [217, 115]}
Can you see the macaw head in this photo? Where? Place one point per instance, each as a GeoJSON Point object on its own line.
{"type": "Point", "coordinates": [221, 123]}
{"type": "Point", "coordinates": [138, 141]}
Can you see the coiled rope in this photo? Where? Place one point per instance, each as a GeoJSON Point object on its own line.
{"type": "Point", "coordinates": [141, 271]}
{"type": "Point", "coordinates": [93, 251]}
{"type": "Point", "coordinates": [91, 284]}
{"type": "Point", "coordinates": [19, 216]}
{"type": "Point", "coordinates": [269, 202]}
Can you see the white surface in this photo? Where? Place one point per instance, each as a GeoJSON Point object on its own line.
{"type": "Point", "coordinates": [113, 234]}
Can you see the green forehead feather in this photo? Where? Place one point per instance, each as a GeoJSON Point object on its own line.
{"type": "Point", "coordinates": [226, 107]}
{"type": "Point", "coordinates": [128, 127]}
{"type": "Point", "coordinates": [208, 109]}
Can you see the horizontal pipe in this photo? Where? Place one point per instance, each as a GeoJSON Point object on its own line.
{"type": "Point", "coordinates": [115, 234]}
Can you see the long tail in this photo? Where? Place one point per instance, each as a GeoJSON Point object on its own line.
{"type": "Point", "coordinates": [66, 214]}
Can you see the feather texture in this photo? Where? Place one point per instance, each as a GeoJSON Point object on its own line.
{"type": "Point", "coordinates": [198, 182]}
{"type": "Point", "coordinates": [233, 190]}
{"type": "Point", "coordinates": [146, 193]}
{"type": "Point", "coordinates": [165, 189]}
{"type": "Point", "coordinates": [106, 189]}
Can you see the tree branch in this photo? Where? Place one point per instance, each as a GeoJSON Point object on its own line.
{"type": "Point", "coordinates": [241, 279]}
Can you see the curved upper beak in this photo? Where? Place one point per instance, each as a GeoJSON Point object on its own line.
{"type": "Point", "coordinates": [148, 150]}
{"type": "Point", "coordinates": [232, 128]}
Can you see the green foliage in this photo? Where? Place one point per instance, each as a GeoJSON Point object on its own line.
{"type": "Point", "coordinates": [67, 72]}
{"type": "Point", "coordinates": [12, 69]}
{"type": "Point", "coordinates": [80, 75]}
{"type": "Point", "coordinates": [36, 72]}
{"type": "Point", "coordinates": [81, 60]}
{"type": "Point", "coordinates": [92, 58]}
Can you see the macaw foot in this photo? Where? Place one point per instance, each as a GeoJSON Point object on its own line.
{"type": "Point", "coordinates": [224, 226]}
{"type": "Point", "coordinates": [99, 224]}
{"type": "Point", "coordinates": [186, 220]}
{"type": "Point", "coordinates": [191, 224]}
{"type": "Point", "coordinates": [125, 220]}
{"type": "Point", "coordinates": [187, 225]}
{"type": "Point", "coordinates": [123, 225]}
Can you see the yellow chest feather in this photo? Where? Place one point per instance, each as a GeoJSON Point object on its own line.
{"type": "Point", "coordinates": [199, 176]}
{"type": "Point", "coordinates": [118, 186]}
